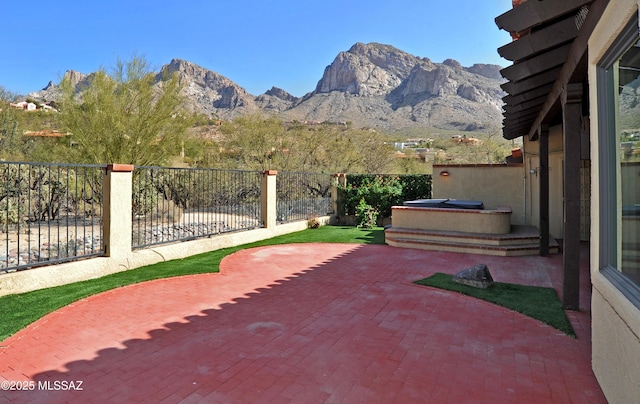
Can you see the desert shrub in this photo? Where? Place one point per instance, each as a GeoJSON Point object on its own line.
{"type": "Point", "coordinates": [145, 195]}
{"type": "Point", "coordinates": [366, 215]}
{"type": "Point", "coordinates": [415, 186]}
{"type": "Point", "coordinates": [8, 212]}
{"type": "Point", "coordinates": [37, 192]}
{"type": "Point", "coordinates": [381, 192]}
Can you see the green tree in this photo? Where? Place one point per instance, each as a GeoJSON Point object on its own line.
{"type": "Point", "coordinates": [411, 163]}
{"type": "Point", "coordinates": [257, 142]}
{"type": "Point", "coordinates": [125, 117]}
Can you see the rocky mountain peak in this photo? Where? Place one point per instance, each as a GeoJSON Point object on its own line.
{"type": "Point", "coordinates": [453, 64]}
{"type": "Point", "coordinates": [74, 77]}
{"type": "Point", "coordinates": [387, 57]}
{"type": "Point", "coordinates": [487, 70]}
{"type": "Point", "coordinates": [53, 91]}
{"type": "Point", "coordinates": [209, 92]}
{"type": "Point", "coordinates": [275, 101]}
{"type": "Point", "coordinates": [371, 85]}
{"type": "Point", "coordinates": [367, 70]}
{"type": "Point", "coordinates": [282, 94]}
{"type": "Point", "coordinates": [190, 73]}
{"type": "Point", "coordinates": [49, 86]}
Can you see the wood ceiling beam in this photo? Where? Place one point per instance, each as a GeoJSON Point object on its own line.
{"type": "Point", "coordinates": [578, 49]}
{"type": "Point", "coordinates": [524, 120]}
{"type": "Point", "coordinates": [537, 64]}
{"type": "Point", "coordinates": [517, 119]}
{"type": "Point", "coordinates": [531, 83]}
{"type": "Point", "coordinates": [523, 106]}
{"type": "Point", "coordinates": [531, 13]}
{"type": "Point", "coordinates": [528, 95]}
{"type": "Point", "coordinates": [539, 41]}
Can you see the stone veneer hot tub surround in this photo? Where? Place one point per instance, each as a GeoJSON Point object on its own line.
{"type": "Point", "coordinates": [487, 221]}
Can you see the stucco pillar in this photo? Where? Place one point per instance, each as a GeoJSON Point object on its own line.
{"type": "Point", "coordinates": [117, 224]}
{"type": "Point", "coordinates": [269, 200]}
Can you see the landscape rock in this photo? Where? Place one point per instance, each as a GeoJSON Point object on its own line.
{"type": "Point", "coordinates": [477, 276]}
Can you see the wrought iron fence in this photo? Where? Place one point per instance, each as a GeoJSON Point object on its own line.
{"type": "Point", "coordinates": [301, 196]}
{"type": "Point", "coordinates": [49, 213]}
{"type": "Point", "coordinates": [178, 204]}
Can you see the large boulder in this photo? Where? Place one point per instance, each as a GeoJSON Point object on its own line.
{"type": "Point", "coordinates": [477, 276]}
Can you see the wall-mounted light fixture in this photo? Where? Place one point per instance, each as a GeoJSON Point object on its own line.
{"type": "Point", "coordinates": [444, 173]}
{"type": "Point", "coordinates": [536, 170]}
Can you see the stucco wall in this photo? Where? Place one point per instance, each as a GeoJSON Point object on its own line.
{"type": "Point", "coordinates": [532, 170]}
{"type": "Point", "coordinates": [616, 344]}
{"type": "Point", "coordinates": [496, 185]}
{"type": "Point", "coordinates": [615, 321]}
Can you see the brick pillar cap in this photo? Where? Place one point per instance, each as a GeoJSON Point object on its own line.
{"type": "Point", "coordinates": [120, 168]}
{"type": "Point", "coordinates": [270, 172]}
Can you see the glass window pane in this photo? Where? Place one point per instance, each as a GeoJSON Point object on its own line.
{"type": "Point", "coordinates": [628, 132]}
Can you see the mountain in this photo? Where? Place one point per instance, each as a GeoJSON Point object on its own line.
{"type": "Point", "coordinates": [210, 93]}
{"type": "Point", "coordinates": [381, 86]}
{"type": "Point", "coordinates": [370, 85]}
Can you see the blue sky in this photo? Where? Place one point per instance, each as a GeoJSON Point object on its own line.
{"type": "Point", "coordinates": [257, 44]}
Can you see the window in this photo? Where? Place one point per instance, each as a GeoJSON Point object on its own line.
{"type": "Point", "coordinates": [618, 81]}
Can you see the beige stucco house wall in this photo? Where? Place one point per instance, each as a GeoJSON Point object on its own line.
{"type": "Point", "coordinates": [531, 157]}
{"type": "Point", "coordinates": [615, 319]}
{"type": "Point", "coordinates": [478, 182]}
{"type": "Point", "coordinates": [531, 153]}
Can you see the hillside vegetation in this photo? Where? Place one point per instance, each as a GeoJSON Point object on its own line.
{"type": "Point", "coordinates": [262, 142]}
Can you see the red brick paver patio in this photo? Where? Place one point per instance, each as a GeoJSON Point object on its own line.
{"type": "Point", "coordinates": [307, 323]}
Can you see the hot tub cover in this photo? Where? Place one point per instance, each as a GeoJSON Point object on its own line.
{"type": "Point", "coordinates": [445, 204]}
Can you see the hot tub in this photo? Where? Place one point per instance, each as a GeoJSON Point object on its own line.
{"type": "Point", "coordinates": [445, 204]}
{"type": "Point", "coordinates": [452, 215]}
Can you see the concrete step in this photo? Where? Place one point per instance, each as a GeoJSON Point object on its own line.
{"type": "Point", "coordinates": [522, 240]}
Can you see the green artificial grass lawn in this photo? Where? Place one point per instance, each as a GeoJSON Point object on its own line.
{"type": "Point", "coordinates": [18, 311]}
{"type": "Point", "coordinates": [533, 301]}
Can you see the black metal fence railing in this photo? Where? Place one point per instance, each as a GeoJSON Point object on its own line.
{"type": "Point", "coordinates": [178, 204]}
{"type": "Point", "coordinates": [302, 196]}
{"type": "Point", "coordinates": [49, 213]}
{"type": "Point", "coordinates": [53, 213]}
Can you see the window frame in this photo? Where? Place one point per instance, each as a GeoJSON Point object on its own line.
{"type": "Point", "coordinates": [610, 217]}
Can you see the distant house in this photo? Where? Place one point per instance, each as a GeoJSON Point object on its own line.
{"type": "Point", "coordinates": [50, 106]}
{"type": "Point", "coordinates": [24, 105]}
{"type": "Point", "coordinates": [465, 140]}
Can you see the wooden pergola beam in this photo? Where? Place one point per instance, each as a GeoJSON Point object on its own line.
{"type": "Point", "coordinates": [544, 190]}
{"type": "Point", "coordinates": [538, 64]}
{"type": "Point", "coordinates": [578, 48]}
{"type": "Point", "coordinates": [527, 96]}
{"type": "Point", "coordinates": [572, 128]}
{"type": "Point", "coordinates": [532, 13]}
{"type": "Point", "coordinates": [539, 41]}
{"type": "Point", "coordinates": [531, 83]}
